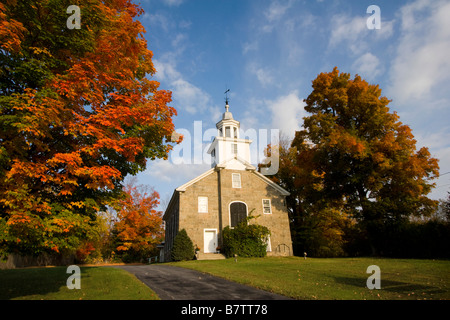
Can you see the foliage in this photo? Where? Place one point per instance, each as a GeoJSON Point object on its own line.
{"type": "Point", "coordinates": [183, 247]}
{"type": "Point", "coordinates": [355, 156]}
{"type": "Point", "coordinates": [316, 227]}
{"type": "Point", "coordinates": [322, 232]}
{"type": "Point", "coordinates": [77, 114]}
{"type": "Point", "coordinates": [363, 155]}
{"type": "Point", "coordinates": [138, 229]}
{"type": "Point", "coordinates": [245, 240]}
{"type": "Point", "coordinates": [94, 248]}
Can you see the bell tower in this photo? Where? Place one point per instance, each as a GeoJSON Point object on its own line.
{"type": "Point", "coordinates": [227, 145]}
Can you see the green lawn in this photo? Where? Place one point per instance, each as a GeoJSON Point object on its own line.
{"type": "Point", "coordinates": [335, 278]}
{"type": "Point", "coordinates": [97, 283]}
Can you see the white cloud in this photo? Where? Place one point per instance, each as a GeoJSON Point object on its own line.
{"type": "Point", "coordinates": [273, 14]}
{"type": "Point", "coordinates": [165, 71]}
{"type": "Point", "coordinates": [186, 96]}
{"type": "Point", "coordinates": [263, 75]}
{"type": "Point", "coordinates": [189, 97]}
{"type": "Point", "coordinates": [345, 29]}
{"type": "Point", "coordinates": [185, 24]}
{"type": "Point", "coordinates": [287, 113]}
{"type": "Point", "coordinates": [158, 19]}
{"type": "Point", "coordinates": [438, 144]}
{"type": "Point", "coordinates": [353, 32]}
{"type": "Point", "coordinates": [250, 46]}
{"type": "Point", "coordinates": [179, 38]}
{"type": "Point", "coordinates": [172, 3]}
{"type": "Point", "coordinates": [422, 62]}
{"type": "Point", "coordinates": [254, 114]}
{"type": "Point", "coordinates": [367, 66]}
{"type": "Point", "coordinates": [419, 79]}
{"type": "Point", "coordinates": [276, 10]}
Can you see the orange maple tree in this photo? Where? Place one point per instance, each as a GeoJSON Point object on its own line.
{"type": "Point", "coordinates": [79, 111]}
{"type": "Point", "coordinates": [139, 225]}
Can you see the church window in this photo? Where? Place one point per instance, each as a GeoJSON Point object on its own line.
{"type": "Point", "coordinates": [203, 204]}
{"type": "Point", "coordinates": [235, 132]}
{"type": "Point", "coordinates": [236, 180]}
{"type": "Point", "coordinates": [238, 213]}
{"type": "Point", "coordinates": [234, 148]}
{"type": "Point", "coordinates": [227, 132]}
{"type": "Point", "coordinates": [267, 209]}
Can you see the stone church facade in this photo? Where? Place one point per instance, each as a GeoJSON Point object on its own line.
{"type": "Point", "coordinates": [224, 195]}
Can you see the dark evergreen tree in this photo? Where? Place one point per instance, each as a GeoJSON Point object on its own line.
{"type": "Point", "coordinates": [183, 248]}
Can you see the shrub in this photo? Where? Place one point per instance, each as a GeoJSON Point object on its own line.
{"type": "Point", "coordinates": [183, 248]}
{"type": "Point", "coordinates": [245, 240]}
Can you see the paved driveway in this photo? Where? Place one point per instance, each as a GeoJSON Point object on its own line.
{"type": "Point", "coordinates": [175, 283]}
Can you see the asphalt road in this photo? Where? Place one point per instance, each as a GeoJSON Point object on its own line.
{"type": "Point", "coordinates": [175, 283]}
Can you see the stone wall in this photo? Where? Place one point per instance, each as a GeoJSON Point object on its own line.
{"type": "Point", "coordinates": [193, 221]}
{"type": "Point", "coordinates": [171, 218]}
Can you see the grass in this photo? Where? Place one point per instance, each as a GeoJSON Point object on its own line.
{"type": "Point", "coordinates": [97, 283]}
{"type": "Point", "coordinates": [336, 278]}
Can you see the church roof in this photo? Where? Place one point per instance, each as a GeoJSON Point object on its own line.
{"type": "Point", "coordinates": [281, 190]}
{"type": "Point", "coordinates": [191, 182]}
{"type": "Point", "coordinates": [227, 115]}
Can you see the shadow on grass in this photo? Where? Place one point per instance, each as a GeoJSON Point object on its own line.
{"type": "Point", "coordinates": [23, 283]}
{"type": "Point", "coordinates": [391, 285]}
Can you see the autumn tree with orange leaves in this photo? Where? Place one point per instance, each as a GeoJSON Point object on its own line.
{"type": "Point", "coordinates": [355, 159]}
{"type": "Point", "coordinates": [78, 112]}
{"type": "Point", "coordinates": [138, 229]}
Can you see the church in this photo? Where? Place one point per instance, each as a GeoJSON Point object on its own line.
{"type": "Point", "coordinates": [225, 195]}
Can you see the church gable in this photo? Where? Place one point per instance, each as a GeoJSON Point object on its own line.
{"type": "Point", "coordinates": [238, 166]}
{"type": "Point", "coordinates": [183, 187]}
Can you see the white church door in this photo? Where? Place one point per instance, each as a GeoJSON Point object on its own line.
{"type": "Point", "coordinates": [210, 240]}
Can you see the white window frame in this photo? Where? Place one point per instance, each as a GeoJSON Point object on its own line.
{"type": "Point", "coordinates": [229, 211]}
{"type": "Point", "coordinates": [270, 206]}
{"type": "Point", "coordinates": [234, 182]}
{"type": "Point", "coordinates": [227, 132]}
{"type": "Point", "coordinates": [268, 244]}
{"type": "Point", "coordinates": [202, 208]}
{"type": "Point", "coordinates": [234, 148]}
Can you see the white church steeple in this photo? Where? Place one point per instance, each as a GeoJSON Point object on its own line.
{"type": "Point", "coordinates": [227, 147]}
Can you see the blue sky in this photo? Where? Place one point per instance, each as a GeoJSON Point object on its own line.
{"type": "Point", "coordinates": [268, 52]}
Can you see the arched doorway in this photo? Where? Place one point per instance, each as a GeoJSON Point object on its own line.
{"type": "Point", "coordinates": [238, 213]}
